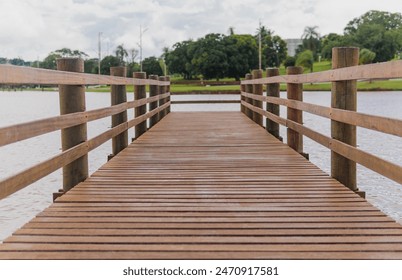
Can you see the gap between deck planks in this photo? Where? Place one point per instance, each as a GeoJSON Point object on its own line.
{"type": "Point", "coordinates": [208, 186]}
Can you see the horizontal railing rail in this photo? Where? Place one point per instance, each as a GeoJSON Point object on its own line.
{"type": "Point", "coordinates": [384, 70]}
{"type": "Point", "coordinates": [158, 103]}
{"type": "Point", "coordinates": [24, 178]}
{"type": "Point", "coordinates": [375, 163]}
{"type": "Point", "coordinates": [205, 102]}
{"type": "Point", "coordinates": [378, 123]}
{"type": "Point", "coordinates": [344, 119]}
{"type": "Point", "coordinates": [19, 75]}
{"type": "Point", "coordinates": [19, 132]}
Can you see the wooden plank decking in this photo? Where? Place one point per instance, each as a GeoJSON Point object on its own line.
{"type": "Point", "coordinates": [208, 186]}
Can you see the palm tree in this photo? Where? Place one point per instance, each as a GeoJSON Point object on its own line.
{"type": "Point", "coordinates": [231, 30]}
{"type": "Point", "coordinates": [311, 38]}
{"type": "Point", "coordinates": [121, 53]}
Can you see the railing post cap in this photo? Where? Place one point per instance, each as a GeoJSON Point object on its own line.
{"type": "Point", "coordinates": [140, 75]}
{"type": "Point", "coordinates": [249, 76]}
{"type": "Point", "coordinates": [256, 72]}
{"type": "Point", "coordinates": [293, 70]}
{"type": "Point", "coordinates": [345, 48]}
{"type": "Point", "coordinates": [70, 64]}
{"type": "Point", "coordinates": [272, 71]}
{"type": "Point", "coordinates": [120, 71]}
{"type": "Point", "coordinates": [153, 77]}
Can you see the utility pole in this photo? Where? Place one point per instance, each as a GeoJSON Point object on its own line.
{"type": "Point", "coordinates": [142, 31]}
{"type": "Point", "coordinates": [259, 47]}
{"type": "Point", "coordinates": [99, 52]}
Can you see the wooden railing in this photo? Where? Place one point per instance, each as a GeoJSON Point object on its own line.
{"type": "Point", "coordinates": [73, 119]}
{"type": "Point", "coordinates": [342, 113]}
{"type": "Point", "coordinates": [206, 101]}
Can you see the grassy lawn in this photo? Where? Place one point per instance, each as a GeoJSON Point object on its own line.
{"type": "Point", "coordinates": [383, 85]}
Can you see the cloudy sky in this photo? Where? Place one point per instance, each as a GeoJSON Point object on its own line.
{"type": "Point", "coordinates": [30, 29]}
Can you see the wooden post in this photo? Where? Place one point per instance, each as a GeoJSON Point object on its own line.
{"type": "Point", "coordinates": [274, 91]}
{"type": "Point", "coordinates": [72, 100]}
{"type": "Point", "coordinates": [242, 98]}
{"type": "Point", "coordinates": [118, 96]}
{"type": "Point", "coordinates": [139, 93]}
{"type": "Point", "coordinates": [249, 89]}
{"type": "Point", "coordinates": [153, 91]}
{"type": "Point", "coordinates": [295, 91]}
{"type": "Point", "coordinates": [162, 90]}
{"type": "Point", "coordinates": [167, 98]}
{"type": "Point", "coordinates": [257, 89]}
{"type": "Point", "coordinates": [344, 96]}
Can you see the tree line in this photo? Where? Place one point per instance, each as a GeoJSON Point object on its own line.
{"type": "Point", "coordinates": [378, 34]}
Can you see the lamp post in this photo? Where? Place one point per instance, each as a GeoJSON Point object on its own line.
{"type": "Point", "coordinates": [259, 47]}
{"type": "Point", "coordinates": [142, 31]}
{"type": "Point", "coordinates": [99, 52]}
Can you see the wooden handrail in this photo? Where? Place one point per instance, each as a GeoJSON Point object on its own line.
{"type": "Point", "coordinates": [18, 75]}
{"type": "Point", "coordinates": [385, 70]}
{"type": "Point", "coordinates": [19, 132]}
{"type": "Point", "coordinates": [378, 123]}
{"type": "Point", "coordinates": [342, 113]}
{"type": "Point", "coordinates": [206, 102]}
{"type": "Point", "coordinates": [74, 116]}
{"type": "Point", "coordinates": [379, 165]}
{"type": "Point", "coordinates": [22, 179]}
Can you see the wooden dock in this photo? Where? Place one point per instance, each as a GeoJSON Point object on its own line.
{"type": "Point", "coordinates": [208, 186]}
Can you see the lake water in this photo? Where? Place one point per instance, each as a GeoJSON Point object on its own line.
{"type": "Point", "coordinates": [18, 107]}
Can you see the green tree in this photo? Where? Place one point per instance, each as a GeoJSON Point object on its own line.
{"type": "Point", "coordinates": [151, 66]}
{"type": "Point", "coordinates": [390, 21]}
{"type": "Point", "coordinates": [330, 41]}
{"type": "Point", "coordinates": [366, 56]}
{"type": "Point", "coordinates": [305, 59]}
{"type": "Point", "coordinates": [242, 55]}
{"type": "Point", "coordinates": [18, 62]}
{"type": "Point", "coordinates": [311, 39]}
{"type": "Point", "coordinates": [289, 61]}
{"type": "Point", "coordinates": [378, 31]}
{"type": "Point", "coordinates": [274, 49]}
{"type": "Point", "coordinates": [107, 62]}
{"type": "Point", "coordinates": [121, 54]}
{"type": "Point", "coordinates": [209, 56]}
{"type": "Point", "coordinates": [66, 52]}
{"type": "Point", "coordinates": [50, 61]}
{"type": "Point", "coordinates": [132, 67]}
{"type": "Point", "coordinates": [91, 66]}
{"type": "Point", "coordinates": [178, 60]}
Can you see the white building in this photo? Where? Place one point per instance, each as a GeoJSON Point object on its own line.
{"type": "Point", "coordinates": [292, 45]}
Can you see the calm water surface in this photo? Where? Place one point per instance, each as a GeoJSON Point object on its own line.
{"type": "Point", "coordinates": [18, 107]}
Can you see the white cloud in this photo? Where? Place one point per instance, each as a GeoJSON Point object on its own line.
{"type": "Point", "coordinates": [33, 28]}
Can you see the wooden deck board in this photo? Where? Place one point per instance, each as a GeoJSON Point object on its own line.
{"type": "Point", "coordinates": [208, 186]}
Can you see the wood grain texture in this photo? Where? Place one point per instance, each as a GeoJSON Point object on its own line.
{"type": "Point", "coordinates": [386, 168]}
{"type": "Point", "coordinates": [26, 177]}
{"type": "Point", "coordinates": [19, 75]}
{"type": "Point", "coordinates": [172, 194]}
{"type": "Point", "coordinates": [377, 123]}
{"type": "Point", "coordinates": [118, 95]}
{"type": "Point", "coordinates": [19, 132]}
{"type": "Point", "coordinates": [385, 70]}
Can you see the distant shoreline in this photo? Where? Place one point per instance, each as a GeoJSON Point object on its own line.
{"type": "Point", "coordinates": [376, 85]}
